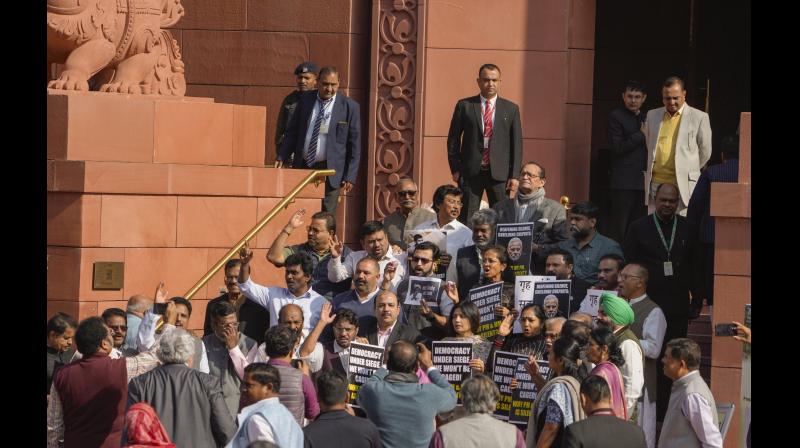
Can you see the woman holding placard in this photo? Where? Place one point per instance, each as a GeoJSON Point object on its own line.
{"type": "Point", "coordinates": [558, 404]}
{"type": "Point", "coordinates": [464, 321]}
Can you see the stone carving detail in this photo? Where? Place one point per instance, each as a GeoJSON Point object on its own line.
{"type": "Point", "coordinates": [395, 112]}
{"type": "Point", "coordinates": [118, 45]}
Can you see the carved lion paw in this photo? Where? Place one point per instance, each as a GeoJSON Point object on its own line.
{"type": "Point", "coordinates": [70, 80]}
{"type": "Point", "coordinates": [121, 87]}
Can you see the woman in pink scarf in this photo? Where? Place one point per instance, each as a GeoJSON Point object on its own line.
{"type": "Point", "coordinates": [603, 350]}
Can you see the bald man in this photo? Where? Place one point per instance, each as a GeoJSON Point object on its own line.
{"type": "Point", "coordinates": [134, 313]}
{"type": "Point", "coordinates": [408, 214]}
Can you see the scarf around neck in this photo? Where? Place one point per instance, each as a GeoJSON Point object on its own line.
{"type": "Point", "coordinates": [529, 201]}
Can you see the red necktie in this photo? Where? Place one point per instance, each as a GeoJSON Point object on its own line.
{"type": "Point", "coordinates": [487, 131]}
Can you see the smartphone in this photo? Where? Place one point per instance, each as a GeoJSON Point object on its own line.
{"type": "Point", "coordinates": [725, 330]}
{"type": "Point", "coordinates": [159, 308]}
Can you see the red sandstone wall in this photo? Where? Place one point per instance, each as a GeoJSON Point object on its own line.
{"type": "Point", "coordinates": [545, 49]}
{"type": "Point", "coordinates": [245, 52]}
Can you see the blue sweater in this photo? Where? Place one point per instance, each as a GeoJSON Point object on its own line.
{"type": "Point", "coordinates": [404, 412]}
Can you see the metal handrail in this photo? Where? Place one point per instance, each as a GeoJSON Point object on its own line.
{"type": "Point", "coordinates": [284, 203]}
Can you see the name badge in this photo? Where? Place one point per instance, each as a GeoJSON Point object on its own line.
{"type": "Point", "coordinates": [486, 142]}
{"type": "Point", "coordinates": [667, 269]}
{"type": "Point", "coordinates": [323, 128]}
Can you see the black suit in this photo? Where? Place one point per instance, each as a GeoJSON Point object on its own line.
{"type": "Point", "coordinates": [400, 331]}
{"type": "Point", "coordinates": [343, 145]}
{"type": "Point", "coordinates": [628, 163]}
{"type": "Point", "coordinates": [468, 270]}
{"type": "Point", "coordinates": [331, 360]}
{"type": "Point", "coordinates": [603, 431]}
{"type": "Point", "coordinates": [465, 149]}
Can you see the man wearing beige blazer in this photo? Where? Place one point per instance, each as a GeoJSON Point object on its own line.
{"type": "Point", "coordinates": [678, 144]}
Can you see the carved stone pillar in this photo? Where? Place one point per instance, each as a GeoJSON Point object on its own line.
{"type": "Point", "coordinates": [395, 103]}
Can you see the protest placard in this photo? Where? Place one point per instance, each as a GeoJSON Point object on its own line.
{"type": "Point", "coordinates": [518, 241]}
{"type": "Point", "coordinates": [365, 359]}
{"type": "Point", "coordinates": [523, 293]}
{"type": "Point", "coordinates": [525, 393]}
{"type": "Point", "coordinates": [486, 298]}
{"type": "Point", "coordinates": [452, 359]}
{"type": "Point", "coordinates": [553, 297]}
{"type": "Point", "coordinates": [435, 236]}
{"type": "Point", "coordinates": [423, 288]}
{"type": "Point", "coordinates": [504, 370]}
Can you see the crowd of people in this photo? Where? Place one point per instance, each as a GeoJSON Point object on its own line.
{"type": "Point", "coordinates": [271, 365]}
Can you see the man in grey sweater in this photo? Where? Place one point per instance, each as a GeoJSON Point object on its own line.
{"type": "Point", "coordinates": [401, 408]}
{"type": "Point", "coordinates": [691, 419]}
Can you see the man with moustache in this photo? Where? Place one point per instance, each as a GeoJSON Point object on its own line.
{"type": "Point", "coordinates": [298, 270]}
{"type": "Point", "coordinates": [361, 299]}
{"type": "Point", "coordinates": [514, 249]}
{"type": "Point", "coordinates": [430, 320]}
{"type": "Point", "coordinates": [559, 264]}
{"type": "Point", "coordinates": [318, 245]}
{"type": "Point", "coordinates": [678, 144]}
{"type": "Point", "coordinates": [663, 243]}
{"type": "Point", "coordinates": [607, 278]}
{"type": "Point", "coordinates": [484, 143]}
{"type": "Point", "coordinates": [375, 244]}
{"type": "Point", "coordinates": [408, 214]}
{"type": "Point", "coordinates": [388, 330]}
{"type": "Point", "coordinates": [649, 325]}
{"type": "Point", "coordinates": [530, 205]}
{"type": "Point", "coordinates": [252, 318]}
{"type": "Point", "coordinates": [447, 205]}
{"type": "Point", "coordinates": [586, 244]}
{"type": "Point", "coordinates": [306, 80]}
{"type": "Point", "coordinates": [325, 133]}
{"type": "Point", "coordinates": [469, 260]}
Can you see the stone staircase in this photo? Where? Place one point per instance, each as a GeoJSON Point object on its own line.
{"type": "Point", "coordinates": [700, 331]}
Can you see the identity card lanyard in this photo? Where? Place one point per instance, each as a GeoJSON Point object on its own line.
{"type": "Point", "coordinates": [667, 264]}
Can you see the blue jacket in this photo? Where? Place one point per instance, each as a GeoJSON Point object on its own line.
{"type": "Point", "coordinates": [343, 145]}
{"type": "Point", "coordinates": [285, 429]}
{"type": "Point", "coordinates": [404, 412]}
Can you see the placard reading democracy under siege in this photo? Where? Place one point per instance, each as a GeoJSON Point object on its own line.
{"type": "Point", "coordinates": [524, 394]}
{"type": "Point", "coordinates": [505, 364]}
{"type": "Point", "coordinates": [486, 298]}
{"type": "Point", "coordinates": [452, 359]}
{"type": "Point", "coordinates": [365, 359]}
{"type": "Point", "coordinates": [518, 241]}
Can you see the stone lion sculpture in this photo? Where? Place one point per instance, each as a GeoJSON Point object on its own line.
{"type": "Point", "coordinates": [118, 45]}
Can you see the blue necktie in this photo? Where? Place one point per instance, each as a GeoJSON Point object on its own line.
{"type": "Point", "coordinates": [311, 153]}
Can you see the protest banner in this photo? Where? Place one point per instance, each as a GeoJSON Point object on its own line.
{"type": "Point", "coordinates": [452, 359]}
{"type": "Point", "coordinates": [591, 303]}
{"type": "Point", "coordinates": [365, 359]}
{"type": "Point", "coordinates": [486, 298]}
{"type": "Point", "coordinates": [435, 236]}
{"type": "Point", "coordinates": [518, 241]}
{"type": "Point", "coordinates": [523, 293]}
{"type": "Point", "coordinates": [504, 370]}
{"type": "Point", "coordinates": [553, 297]}
{"type": "Point", "coordinates": [523, 396]}
{"type": "Point", "coordinates": [423, 288]}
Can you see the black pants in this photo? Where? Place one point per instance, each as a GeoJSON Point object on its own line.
{"type": "Point", "coordinates": [473, 192]}
{"type": "Point", "coordinates": [331, 199]}
{"type": "Point", "coordinates": [626, 206]}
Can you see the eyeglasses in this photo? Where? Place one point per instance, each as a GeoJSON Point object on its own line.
{"type": "Point", "coordinates": [313, 230]}
{"type": "Point", "coordinates": [453, 202]}
{"type": "Point", "coordinates": [409, 193]}
{"type": "Point", "coordinates": [551, 335]}
{"type": "Point", "coordinates": [421, 260]}
{"type": "Point", "coordinates": [526, 174]}
{"type": "Point", "coordinates": [118, 327]}
{"type": "Point", "coordinates": [624, 277]}
{"type": "Point", "coordinates": [234, 325]}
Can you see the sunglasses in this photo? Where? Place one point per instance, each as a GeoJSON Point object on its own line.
{"type": "Point", "coordinates": [409, 193]}
{"type": "Point", "coordinates": [118, 327]}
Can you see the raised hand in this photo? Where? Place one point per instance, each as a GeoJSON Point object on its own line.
{"type": "Point", "coordinates": [231, 337]}
{"type": "Point", "coordinates": [327, 316]}
{"type": "Point", "coordinates": [161, 293]}
{"type": "Point", "coordinates": [477, 366]}
{"type": "Point", "coordinates": [425, 357]}
{"type": "Point", "coordinates": [389, 272]}
{"type": "Point", "coordinates": [297, 219]}
{"type": "Point", "coordinates": [337, 247]}
{"type": "Point", "coordinates": [501, 312]}
{"type": "Point", "coordinates": [742, 333]}
{"type": "Point", "coordinates": [245, 254]}
{"type": "Point", "coordinates": [452, 292]}
{"type": "Point", "coordinates": [506, 325]}
{"type": "Point", "coordinates": [424, 309]}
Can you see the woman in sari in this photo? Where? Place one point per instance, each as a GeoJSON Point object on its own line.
{"type": "Point", "coordinates": [603, 350]}
{"type": "Point", "coordinates": [144, 429]}
{"type": "Point", "coordinates": [558, 404]}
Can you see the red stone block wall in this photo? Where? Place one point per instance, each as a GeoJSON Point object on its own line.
{"type": "Point", "coordinates": [245, 52]}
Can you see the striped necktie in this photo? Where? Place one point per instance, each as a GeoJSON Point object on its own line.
{"type": "Point", "coordinates": [487, 132]}
{"type": "Point", "coordinates": [311, 153]}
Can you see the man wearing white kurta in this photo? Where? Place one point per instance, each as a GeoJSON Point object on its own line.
{"type": "Point", "coordinates": [447, 205]}
{"type": "Point", "coordinates": [649, 326]}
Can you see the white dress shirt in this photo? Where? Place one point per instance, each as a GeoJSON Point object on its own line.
{"type": "Point", "coordinates": [458, 235]}
{"type": "Point", "coordinates": [653, 330]}
{"type": "Point", "coordinates": [259, 354]}
{"type": "Point", "coordinates": [383, 336]}
{"type": "Point", "coordinates": [147, 338]}
{"type": "Point", "coordinates": [258, 428]}
{"type": "Point", "coordinates": [273, 298]}
{"type": "Point", "coordinates": [322, 153]}
{"type": "Point", "coordinates": [338, 271]}
{"type": "Point", "coordinates": [493, 102]}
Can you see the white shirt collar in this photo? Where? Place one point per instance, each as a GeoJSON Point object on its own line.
{"type": "Point", "coordinates": [370, 296]}
{"type": "Point", "coordinates": [492, 101]}
{"type": "Point", "coordinates": [338, 348]}
{"type": "Point", "coordinates": [638, 299]}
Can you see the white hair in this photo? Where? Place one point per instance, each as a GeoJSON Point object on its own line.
{"type": "Point", "coordinates": [480, 394]}
{"type": "Point", "coordinates": [176, 347]}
